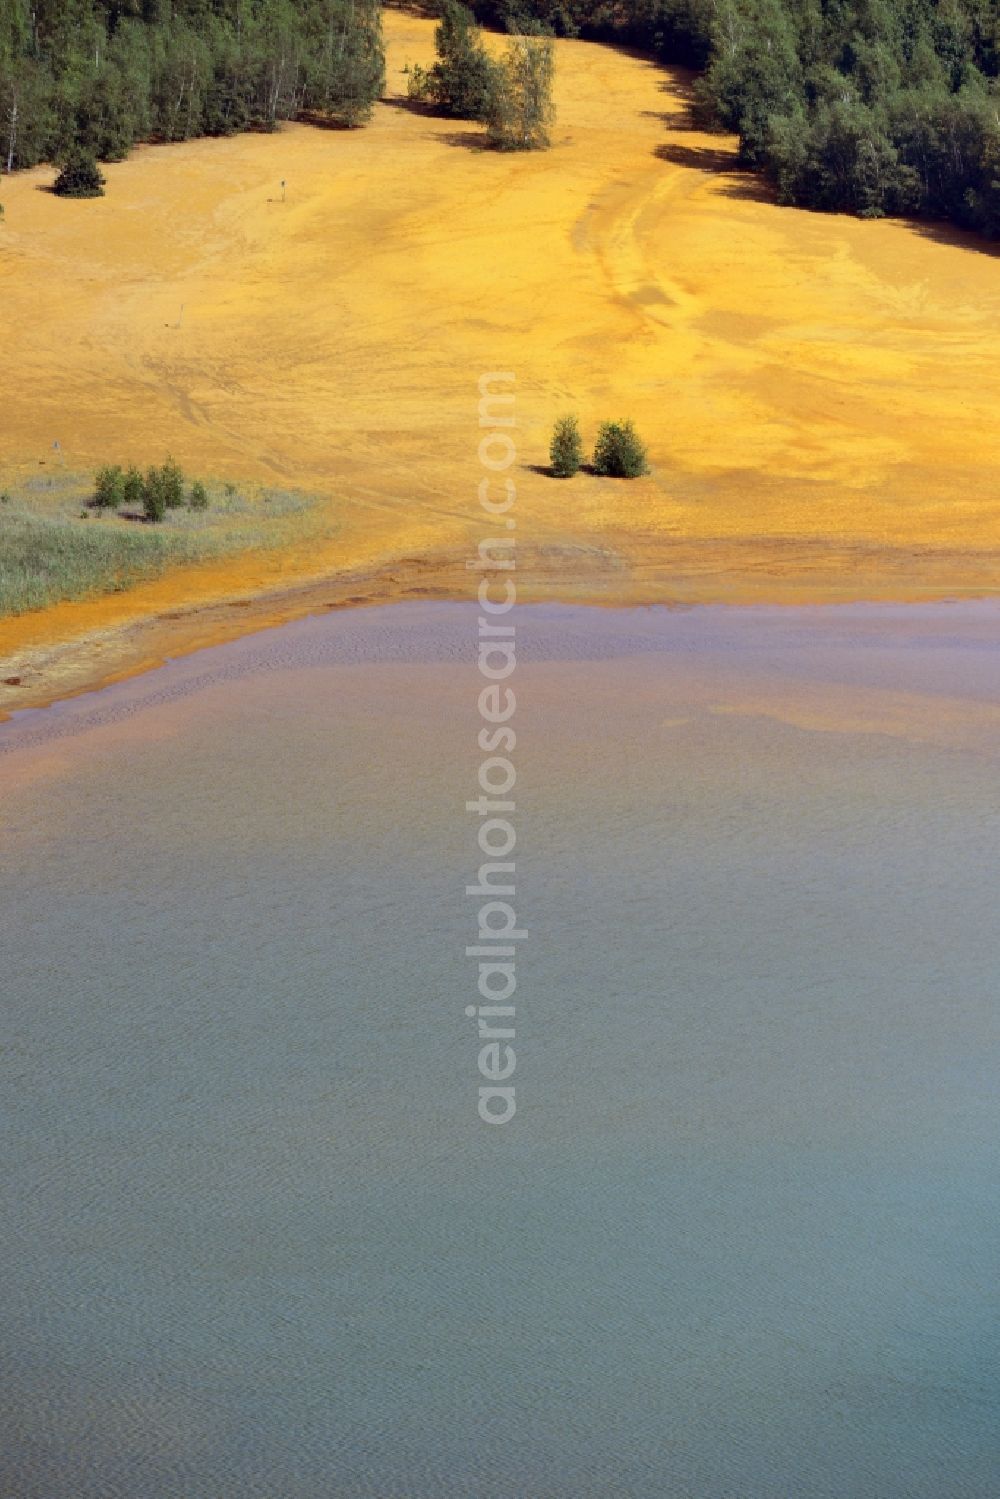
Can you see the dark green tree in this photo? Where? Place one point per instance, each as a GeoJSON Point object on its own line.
{"type": "Point", "coordinates": [755, 71]}
{"type": "Point", "coordinates": [566, 449]}
{"type": "Point", "coordinates": [162, 490]}
{"type": "Point", "coordinates": [172, 482]}
{"type": "Point", "coordinates": [132, 489]}
{"type": "Point", "coordinates": [154, 499]}
{"type": "Point", "coordinates": [519, 110]}
{"type": "Point", "coordinates": [462, 81]}
{"type": "Point", "coordinates": [619, 453]}
{"type": "Point", "coordinates": [109, 488]}
{"type": "Point", "coordinates": [80, 176]}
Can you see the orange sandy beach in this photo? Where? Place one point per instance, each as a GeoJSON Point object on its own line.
{"type": "Point", "coordinates": [818, 393]}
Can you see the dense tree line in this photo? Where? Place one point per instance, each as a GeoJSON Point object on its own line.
{"type": "Point", "coordinates": [878, 106]}
{"type": "Point", "coordinates": [100, 75]}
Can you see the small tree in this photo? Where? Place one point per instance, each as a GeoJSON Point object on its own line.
{"type": "Point", "coordinates": [519, 109]}
{"type": "Point", "coordinates": [420, 84]}
{"type": "Point", "coordinates": [173, 485]}
{"type": "Point", "coordinates": [132, 489]}
{"type": "Point", "coordinates": [462, 80]}
{"type": "Point", "coordinates": [80, 177]}
{"type": "Point", "coordinates": [163, 490]}
{"type": "Point", "coordinates": [566, 450]}
{"type": "Point", "coordinates": [619, 453]}
{"type": "Point", "coordinates": [198, 498]}
{"type": "Point", "coordinates": [154, 498]}
{"type": "Point", "coordinates": [109, 488]}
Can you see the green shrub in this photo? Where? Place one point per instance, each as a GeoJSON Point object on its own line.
{"type": "Point", "coordinates": [198, 498]}
{"type": "Point", "coordinates": [619, 453]}
{"type": "Point", "coordinates": [162, 490]}
{"type": "Point", "coordinates": [566, 450]}
{"type": "Point", "coordinates": [132, 489]}
{"type": "Point", "coordinates": [80, 177]}
{"type": "Point", "coordinates": [154, 498]}
{"type": "Point", "coordinates": [420, 84]}
{"type": "Point", "coordinates": [109, 488]}
{"type": "Point", "coordinates": [462, 80]}
{"type": "Point", "coordinates": [519, 104]}
{"type": "Point", "coordinates": [173, 485]}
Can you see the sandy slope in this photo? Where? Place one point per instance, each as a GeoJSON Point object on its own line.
{"type": "Point", "coordinates": [818, 393]}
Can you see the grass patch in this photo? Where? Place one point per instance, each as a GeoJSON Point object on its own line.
{"type": "Point", "coordinates": [43, 560]}
{"type": "Point", "coordinates": [54, 548]}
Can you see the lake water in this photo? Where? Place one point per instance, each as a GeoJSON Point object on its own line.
{"type": "Point", "coordinates": [740, 1239]}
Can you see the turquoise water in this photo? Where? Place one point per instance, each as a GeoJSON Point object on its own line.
{"type": "Point", "coordinates": [740, 1240]}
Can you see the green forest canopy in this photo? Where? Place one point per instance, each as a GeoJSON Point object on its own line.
{"type": "Point", "coordinates": [104, 74]}
{"type": "Point", "coordinates": [876, 106]}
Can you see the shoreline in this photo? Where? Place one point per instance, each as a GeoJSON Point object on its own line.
{"type": "Point", "coordinates": [80, 647]}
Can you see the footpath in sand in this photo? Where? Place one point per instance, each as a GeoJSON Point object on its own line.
{"type": "Point", "coordinates": [819, 394]}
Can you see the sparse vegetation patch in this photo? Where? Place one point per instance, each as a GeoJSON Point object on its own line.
{"type": "Point", "coordinates": [61, 539]}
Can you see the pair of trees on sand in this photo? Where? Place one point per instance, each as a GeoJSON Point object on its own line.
{"type": "Point", "coordinates": [619, 452]}
{"type": "Point", "coordinates": [511, 95]}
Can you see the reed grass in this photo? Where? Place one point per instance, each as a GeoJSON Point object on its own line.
{"type": "Point", "coordinates": [54, 548]}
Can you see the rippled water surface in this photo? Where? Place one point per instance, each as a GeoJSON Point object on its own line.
{"type": "Point", "coordinates": [739, 1242]}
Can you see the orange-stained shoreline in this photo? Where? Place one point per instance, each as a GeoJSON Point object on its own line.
{"type": "Point", "coordinates": [79, 647]}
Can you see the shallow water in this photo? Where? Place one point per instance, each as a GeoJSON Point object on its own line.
{"type": "Point", "coordinates": [740, 1239]}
